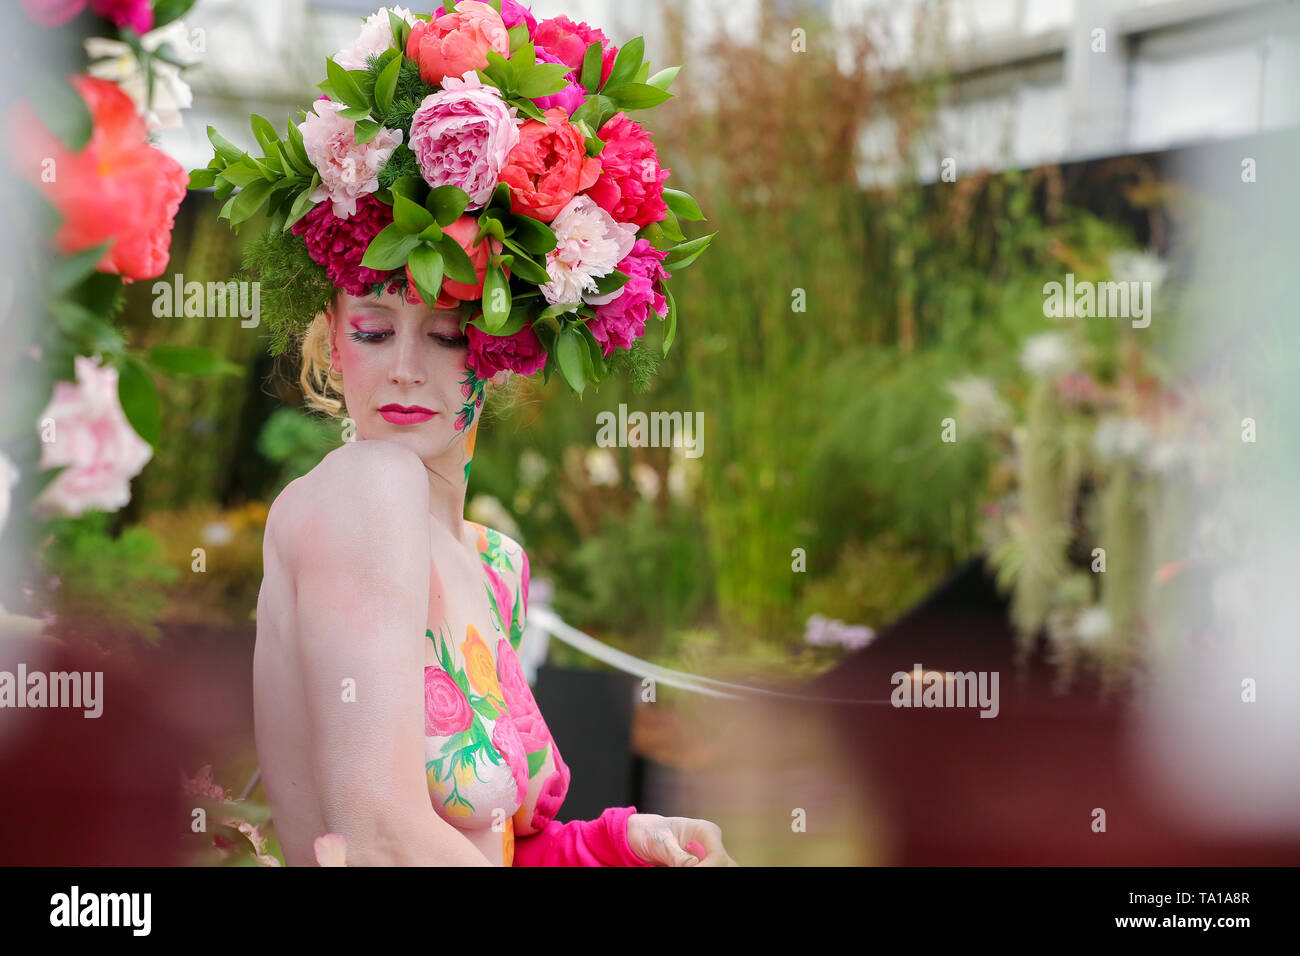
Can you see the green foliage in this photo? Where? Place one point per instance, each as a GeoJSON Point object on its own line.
{"type": "Point", "coordinates": [296, 442]}
{"type": "Point", "coordinates": [294, 287]}
{"type": "Point", "coordinates": [110, 589]}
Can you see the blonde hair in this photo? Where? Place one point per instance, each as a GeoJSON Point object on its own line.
{"type": "Point", "coordinates": [320, 383]}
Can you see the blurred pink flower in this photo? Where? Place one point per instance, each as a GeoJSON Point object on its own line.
{"type": "Point", "coordinates": [136, 14]}
{"type": "Point", "coordinates": [331, 849]}
{"type": "Point", "coordinates": [90, 435]}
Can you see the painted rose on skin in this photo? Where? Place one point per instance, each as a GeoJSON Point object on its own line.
{"type": "Point", "coordinates": [548, 167]}
{"type": "Point", "coordinates": [446, 711]}
{"type": "Point", "coordinates": [508, 743]}
{"type": "Point", "coordinates": [479, 666]}
{"type": "Point", "coordinates": [93, 438]}
{"type": "Point", "coordinates": [457, 41]}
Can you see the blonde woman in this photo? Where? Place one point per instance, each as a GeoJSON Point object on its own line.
{"type": "Point", "coordinates": [390, 707]}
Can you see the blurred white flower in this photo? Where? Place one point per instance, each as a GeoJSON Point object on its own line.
{"type": "Point", "coordinates": [8, 478]}
{"type": "Point", "coordinates": [488, 510]}
{"type": "Point", "coordinates": [1049, 354]}
{"type": "Point", "coordinates": [602, 467]}
{"type": "Point", "coordinates": [532, 467]}
{"type": "Point", "coordinates": [540, 592]}
{"type": "Point", "coordinates": [683, 477]}
{"type": "Point", "coordinates": [979, 407]}
{"type": "Point", "coordinates": [647, 480]}
{"type": "Point", "coordinates": [114, 60]}
{"type": "Point", "coordinates": [1120, 437]}
{"type": "Point", "coordinates": [217, 532]}
{"type": "Point", "coordinates": [1138, 266]}
{"type": "Point", "coordinates": [1092, 625]}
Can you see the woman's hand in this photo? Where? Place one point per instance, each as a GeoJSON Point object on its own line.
{"type": "Point", "coordinates": [661, 840]}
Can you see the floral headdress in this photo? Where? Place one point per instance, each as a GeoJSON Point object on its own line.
{"type": "Point", "coordinates": [478, 159]}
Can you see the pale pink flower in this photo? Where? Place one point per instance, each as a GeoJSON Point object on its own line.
{"type": "Point", "coordinates": [90, 434]}
{"type": "Point", "coordinates": [8, 478]}
{"type": "Point", "coordinates": [462, 135]}
{"type": "Point", "coordinates": [347, 170]}
{"type": "Point", "coordinates": [589, 244]}
{"type": "Point", "coordinates": [376, 36]}
{"type": "Point", "coordinates": [331, 849]}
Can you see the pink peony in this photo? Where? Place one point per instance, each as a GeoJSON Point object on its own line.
{"type": "Point", "coordinates": [631, 183]}
{"type": "Point", "coordinates": [521, 353]}
{"type": "Point", "coordinates": [621, 321]}
{"type": "Point", "coordinates": [446, 710]}
{"type": "Point", "coordinates": [457, 41]}
{"type": "Point", "coordinates": [505, 601]}
{"type": "Point", "coordinates": [347, 170]}
{"type": "Point", "coordinates": [506, 739]}
{"type": "Point", "coordinates": [589, 244]}
{"type": "Point", "coordinates": [340, 244]}
{"type": "Point", "coordinates": [462, 135]}
{"type": "Point", "coordinates": [548, 167]}
{"type": "Point", "coordinates": [568, 41]}
{"type": "Point", "coordinates": [90, 434]}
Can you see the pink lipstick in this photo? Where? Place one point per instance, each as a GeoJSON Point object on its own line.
{"type": "Point", "coordinates": [406, 414]}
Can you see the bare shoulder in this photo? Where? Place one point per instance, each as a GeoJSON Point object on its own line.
{"type": "Point", "coordinates": [360, 489]}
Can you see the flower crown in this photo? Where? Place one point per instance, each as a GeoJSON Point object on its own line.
{"type": "Point", "coordinates": [474, 159]}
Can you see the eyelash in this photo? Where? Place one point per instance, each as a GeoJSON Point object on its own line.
{"type": "Point", "coordinates": [452, 342]}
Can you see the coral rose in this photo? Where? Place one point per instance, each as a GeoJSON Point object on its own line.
{"type": "Point", "coordinates": [457, 41]}
{"type": "Point", "coordinates": [548, 167]}
{"type": "Point", "coordinates": [118, 187]}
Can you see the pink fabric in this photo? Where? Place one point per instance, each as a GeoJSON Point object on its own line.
{"type": "Point", "coordinates": [599, 842]}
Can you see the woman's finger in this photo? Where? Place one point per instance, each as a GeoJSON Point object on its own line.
{"type": "Point", "coordinates": [710, 839]}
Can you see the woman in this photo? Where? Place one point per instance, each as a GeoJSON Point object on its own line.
{"type": "Point", "coordinates": [389, 703]}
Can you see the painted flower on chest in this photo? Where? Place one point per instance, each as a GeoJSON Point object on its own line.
{"type": "Point", "coordinates": [446, 710]}
{"type": "Point", "coordinates": [506, 739]}
{"type": "Point", "coordinates": [479, 666]}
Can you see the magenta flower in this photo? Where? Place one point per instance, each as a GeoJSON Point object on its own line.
{"type": "Point", "coordinates": [569, 98]}
{"type": "Point", "coordinates": [136, 14]}
{"type": "Point", "coordinates": [521, 353]}
{"type": "Point", "coordinates": [631, 183]}
{"type": "Point", "coordinates": [621, 321]}
{"type": "Point", "coordinates": [340, 244]}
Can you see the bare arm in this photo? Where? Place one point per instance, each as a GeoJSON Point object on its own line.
{"type": "Point", "coordinates": [362, 573]}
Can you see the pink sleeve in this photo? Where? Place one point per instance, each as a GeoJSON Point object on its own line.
{"type": "Point", "coordinates": [599, 842]}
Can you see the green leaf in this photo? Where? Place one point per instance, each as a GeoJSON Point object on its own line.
{"type": "Point", "coordinates": [569, 352]}
{"type": "Point", "coordinates": [542, 79]}
{"type": "Point", "coordinates": [386, 85]}
{"type": "Point", "coordinates": [560, 308]}
{"type": "Point", "coordinates": [426, 269]}
{"type": "Point", "coordinates": [628, 61]}
{"type": "Point", "coordinates": [672, 229]}
{"type": "Point", "coordinates": [298, 150]}
{"type": "Point", "coordinates": [457, 264]}
{"type": "Point", "coordinates": [301, 206]}
{"type": "Point", "coordinates": [401, 33]}
{"type": "Point", "coordinates": [489, 225]}
{"type": "Point", "coordinates": [682, 255]}
{"type": "Point", "coordinates": [496, 298]}
{"type": "Point", "coordinates": [354, 112]}
{"type": "Point", "coordinates": [66, 272]}
{"type": "Point", "coordinates": [447, 203]}
{"type": "Point", "coordinates": [409, 216]}
{"type": "Point", "coordinates": [611, 282]}
{"type": "Point", "coordinates": [241, 174]}
{"type": "Point", "coordinates": [528, 108]}
{"type": "Point", "coordinates": [249, 201]}
{"type": "Point", "coordinates": [664, 78]}
{"type": "Point", "coordinates": [683, 204]}
{"type": "Point", "coordinates": [389, 249]}
{"type": "Point", "coordinates": [408, 186]}
{"type": "Point", "coordinates": [202, 178]}
{"type": "Point", "coordinates": [61, 108]}
{"type": "Point", "coordinates": [595, 357]}
{"type": "Point", "coordinates": [365, 131]}
{"type": "Point", "coordinates": [432, 233]}
{"type": "Point", "coordinates": [165, 11]}
{"type": "Point", "coordinates": [265, 134]}
{"type": "Point", "coordinates": [537, 237]}
{"type": "Point", "coordinates": [524, 267]}
{"type": "Point", "coordinates": [345, 85]}
{"type": "Point", "coordinates": [87, 331]}
{"type": "Point", "coordinates": [188, 360]}
{"type": "Point", "coordinates": [518, 318]}
{"type": "Point", "coordinates": [227, 150]}
{"type": "Point", "coordinates": [592, 61]}
{"type": "Point", "coordinates": [636, 96]}
{"type": "Point", "coordinates": [671, 333]}
{"type": "Point", "coordinates": [138, 394]}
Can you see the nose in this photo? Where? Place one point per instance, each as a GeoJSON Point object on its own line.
{"type": "Point", "coordinates": [408, 367]}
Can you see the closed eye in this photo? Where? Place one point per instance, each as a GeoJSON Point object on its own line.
{"type": "Point", "coordinates": [451, 341]}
